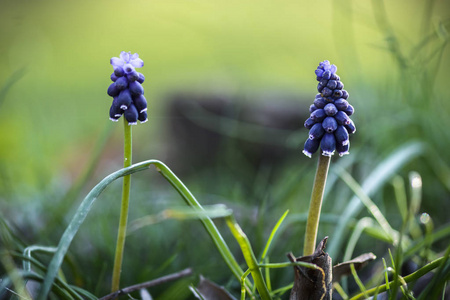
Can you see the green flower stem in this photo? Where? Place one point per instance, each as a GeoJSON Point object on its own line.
{"type": "Point", "coordinates": [312, 224]}
{"type": "Point", "coordinates": [127, 157]}
{"type": "Point", "coordinates": [249, 257]}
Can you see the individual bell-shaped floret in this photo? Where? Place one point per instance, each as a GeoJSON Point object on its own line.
{"type": "Point", "coordinates": [118, 71]}
{"type": "Point", "coordinates": [326, 92]}
{"type": "Point", "coordinates": [318, 115]}
{"type": "Point", "coordinates": [309, 123]}
{"type": "Point", "coordinates": [311, 147]}
{"type": "Point", "coordinates": [113, 77]}
{"type": "Point", "coordinates": [140, 102]}
{"type": "Point", "coordinates": [342, 149]}
{"type": "Point", "coordinates": [143, 117]}
{"type": "Point", "coordinates": [131, 114]}
{"type": "Point", "coordinates": [316, 132]}
{"type": "Point", "coordinates": [115, 112]}
{"type": "Point", "coordinates": [341, 135]}
{"type": "Point", "coordinates": [328, 144]}
{"type": "Point", "coordinates": [124, 99]}
{"type": "Point", "coordinates": [336, 94]}
{"type": "Point", "coordinates": [330, 109]}
{"type": "Point", "coordinates": [350, 127]}
{"type": "Point", "coordinates": [329, 124]}
{"type": "Point", "coordinates": [113, 91]}
{"type": "Point", "coordinates": [342, 118]}
{"type": "Point", "coordinates": [349, 110]}
{"type": "Point", "coordinates": [341, 104]}
{"type": "Point", "coordinates": [345, 94]}
{"type": "Point", "coordinates": [320, 102]}
{"type": "Point", "coordinates": [136, 88]}
{"type": "Point", "coordinates": [133, 76]}
{"type": "Point", "coordinates": [332, 84]}
{"type": "Point", "coordinates": [121, 83]}
{"type": "Point", "coordinates": [141, 78]}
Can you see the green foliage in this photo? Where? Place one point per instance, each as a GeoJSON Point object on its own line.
{"type": "Point", "coordinates": [53, 149]}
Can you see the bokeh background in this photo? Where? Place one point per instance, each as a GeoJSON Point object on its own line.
{"type": "Point", "coordinates": [229, 85]}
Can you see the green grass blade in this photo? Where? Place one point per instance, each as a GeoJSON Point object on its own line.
{"type": "Point", "coordinates": [360, 226]}
{"type": "Point", "coordinates": [27, 252]}
{"type": "Point", "coordinates": [207, 222]}
{"type": "Point", "coordinates": [272, 235]}
{"type": "Point", "coordinates": [410, 278]}
{"type": "Point", "coordinates": [86, 204]}
{"type": "Point", "coordinates": [75, 292]}
{"type": "Point", "coordinates": [59, 291]}
{"type": "Point", "coordinates": [358, 281]}
{"type": "Point", "coordinates": [437, 235]}
{"type": "Point", "coordinates": [382, 173]}
{"type": "Point", "coordinates": [77, 220]}
{"type": "Point", "coordinates": [370, 205]}
{"type": "Point", "coordinates": [249, 257]}
{"type": "Point", "coordinates": [400, 197]}
{"type": "Point", "coordinates": [15, 77]}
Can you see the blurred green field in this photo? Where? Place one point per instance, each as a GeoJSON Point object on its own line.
{"type": "Point", "coordinates": [54, 72]}
{"type": "Point", "coordinates": [64, 49]}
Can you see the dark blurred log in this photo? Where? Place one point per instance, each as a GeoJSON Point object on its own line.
{"type": "Point", "coordinates": [202, 125]}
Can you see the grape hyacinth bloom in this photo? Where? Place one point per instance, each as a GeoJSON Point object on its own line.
{"type": "Point", "coordinates": [329, 123]}
{"type": "Point", "coordinates": [126, 89]}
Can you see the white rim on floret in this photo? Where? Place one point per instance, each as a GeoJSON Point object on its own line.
{"type": "Point", "coordinates": [327, 153]}
{"type": "Point", "coordinates": [307, 153]}
{"type": "Point", "coordinates": [343, 153]}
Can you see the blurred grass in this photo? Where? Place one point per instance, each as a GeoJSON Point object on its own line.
{"type": "Point", "coordinates": [392, 59]}
{"type": "Point", "coordinates": [66, 47]}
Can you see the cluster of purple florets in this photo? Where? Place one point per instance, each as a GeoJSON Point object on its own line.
{"type": "Point", "coordinates": [126, 89]}
{"type": "Point", "coordinates": [329, 123]}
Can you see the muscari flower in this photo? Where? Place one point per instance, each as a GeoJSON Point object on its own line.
{"type": "Point", "coordinates": [126, 89]}
{"type": "Point", "coordinates": [329, 123]}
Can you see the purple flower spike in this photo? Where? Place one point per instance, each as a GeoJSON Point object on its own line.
{"type": "Point", "coordinates": [329, 122]}
{"type": "Point", "coordinates": [127, 90]}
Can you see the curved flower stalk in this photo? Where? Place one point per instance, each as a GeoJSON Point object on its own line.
{"type": "Point", "coordinates": [329, 123]}
{"type": "Point", "coordinates": [329, 128]}
{"type": "Point", "coordinates": [126, 89]}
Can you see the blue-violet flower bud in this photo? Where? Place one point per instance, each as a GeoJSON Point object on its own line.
{"type": "Point", "coordinates": [320, 102]}
{"type": "Point", "coordinates": [131, 114]}
{"type": "Point", "coordinates": [330, 109]}
{"type": "Point", "coordinates": [113, 90]}
{"type": "Point", "coordinates": [121, 83]}
{"type": "Point", "coordinates": [318, 115]}
{"type": "Point", "coordinates": [311, 147]}
{"type": "Point", "coordinates": [136, 88]}
{"type": "Point", "coordinates": [316, 132]}
{"type": "Point", "coordinates": [312, 108]}
{"type": "Point", "coordinates": [329, 122]}
{"type": "Point", "coordinates": [141, 78]}
{"type": "Point", "coordinates": [309, 123]}
{"type": "Point", "coordinates": [126, 89]}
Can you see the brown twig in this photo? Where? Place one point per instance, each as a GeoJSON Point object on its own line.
{"type": "Point", "coordinates": [164, 279]}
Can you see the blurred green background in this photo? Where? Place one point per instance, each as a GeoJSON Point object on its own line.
{"type": "Point", "coordinates": [63, 50]}
{"type": "Point", "coordinates": [54, 72]}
